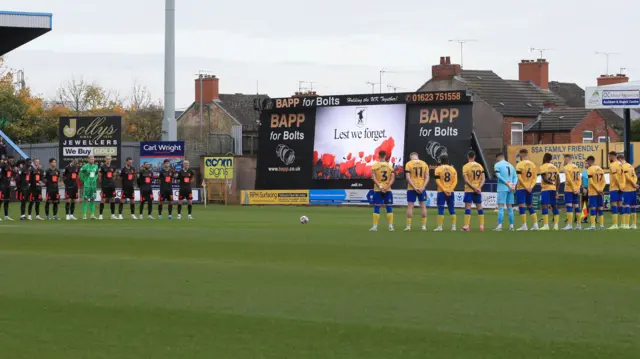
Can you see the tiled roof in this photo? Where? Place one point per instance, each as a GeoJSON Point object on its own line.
{"type": "Point", "coordinates": [572, 94]}
{"type": "Point", "coordinates": [559, 119]}
{"type": "Point", "coordinates": [509, 97]}
{"type": "Point", "coordinates": [240, 107]}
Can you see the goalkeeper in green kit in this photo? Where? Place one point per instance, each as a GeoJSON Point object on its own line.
{"type": "Point", "coordinates": [89, 178]}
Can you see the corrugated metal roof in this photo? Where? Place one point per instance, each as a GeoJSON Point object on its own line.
{"type": "Point", "coordinates": [26, 20]}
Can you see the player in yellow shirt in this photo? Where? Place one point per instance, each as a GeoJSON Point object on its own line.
{"type": "Point", "coordinates": [383, 177]}
{"type": "Point", "coordinates": [446, 180]}
{"type": "Point", "coordinates": [417, 173]}
{"type": "Point", "coordinates": [629, 196]}
{"type": "Point", "coordinates": [527, 176]}
{"type": "Point", "coordinates": [550, 183]}
{"type": "Point", "coordinates": [597, 183]}
{"type": "Point", "coordinates": [474, 178]}
{"type": "Point", "coordinates": [572, 183]}
{"type": "Point", "coordinates": [616, 185]}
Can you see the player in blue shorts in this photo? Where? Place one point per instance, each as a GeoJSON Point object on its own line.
{"type": "Point", "coordinates": [527, 176]}
{"type": "Point", "coordinates": [507, 180]}
{"type": "Point", "coordinates": [571, 192]}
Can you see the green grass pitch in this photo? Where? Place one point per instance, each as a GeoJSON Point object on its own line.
{"type": "Point", "coordinates": [251, 282]}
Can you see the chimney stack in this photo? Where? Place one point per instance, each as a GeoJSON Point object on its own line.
{"type": "Point", "coordinates": [445, 70]}
{"type": "Point", "coordinates": [536, 71]}
{"type": "Point", "coordinates": [604, 80]}
{"type": "Point", "coordinates": [210, 88]}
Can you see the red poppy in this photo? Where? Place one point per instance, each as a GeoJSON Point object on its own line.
{"type": "Point", "coordinates": [328, 160]}
{"type": "Point", "coordinates": [367, 159]}
{"type": "Point", "coordinates": [360, 168]}
{"type": "Point", "coordinates": [393, 160]}
{"type": "Point", "coordinates": [349, 156]}
{"type": "Point", "coordinates": [367, 172]}
{"type": "Point", "coordinates": [361, 154]}
{"type": "Point", "coordinates": [387, 146]}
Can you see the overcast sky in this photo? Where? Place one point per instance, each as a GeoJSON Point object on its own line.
{"type": "Point", "coordinates": [339, 44]}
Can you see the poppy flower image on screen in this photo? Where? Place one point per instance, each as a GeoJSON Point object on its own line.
{"type": "Point", "coordinates": [349, 138]}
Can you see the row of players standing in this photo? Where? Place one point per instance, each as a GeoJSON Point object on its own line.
{"type": "Point", "coordinates": [30, 177]}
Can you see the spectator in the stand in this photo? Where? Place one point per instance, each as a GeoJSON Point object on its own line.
{"type": "Point", "coordinates": [3, 149]}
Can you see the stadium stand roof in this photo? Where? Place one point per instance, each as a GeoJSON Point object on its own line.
{"type": "Point", "coordinates": [18, 28]}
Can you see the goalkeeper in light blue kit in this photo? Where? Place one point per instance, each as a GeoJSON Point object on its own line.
{"type": "Point", "coordinates": [507, 179]}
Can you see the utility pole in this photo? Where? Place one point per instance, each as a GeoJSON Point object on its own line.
{"type": "Point", "coordinates": [169, 131]}
{"type": "Point", "coordinates": [373, 86]}
{"type": "Point", "coordinates": [541, 51]}
{"type": "Point", "coordinates": [606, 55]}
{"type": "Point", "coordinates": [462, 42]}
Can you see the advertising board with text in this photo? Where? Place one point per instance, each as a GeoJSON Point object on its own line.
{"type": "Point", "coordinates": [81, 137]}
{"type": "Point", "coordinates": [436, 130]}
{"type": "Point", "coordinates": [281, 197]}
{"type": "Point", "coordinates": [218, 168]}
{"type": "Point", "coordinates": [331, 142]}
{"type": "Point", "coordinates": [156, 152]}
{"type": "Point", "coordinates": [578, 151]}
{"type": "Point", "coordinates": [349, 138]}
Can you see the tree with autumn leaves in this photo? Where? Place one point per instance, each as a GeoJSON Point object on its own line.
{"type": "Point", "coordinates": [27, 118]}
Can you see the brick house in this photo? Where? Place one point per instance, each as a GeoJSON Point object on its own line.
{"type": "Point", "coordinates": [230, 121]}
{"type": "Point", "coordinates": [523, 111]}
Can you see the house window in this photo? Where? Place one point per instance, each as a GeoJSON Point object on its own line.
{"type": "Point", "coordinates": [587, 136]}
{"type": "Point", "coordinates": [603, 139]}
{"type": "Point", "coordinates": [517, 133]}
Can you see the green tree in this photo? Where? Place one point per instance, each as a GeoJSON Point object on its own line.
{"type": "Point", "coordinates": [145, 124]}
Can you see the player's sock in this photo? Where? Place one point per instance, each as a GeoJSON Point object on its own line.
{"type": "Point", "coordinates": [570, 215]}
{"type": "Point", "coordinates": [545, 217]}
{"type": "Point", "coordinates": [84, 208]}
{"type": "Point", "coordinates": [73, 208]}
{"type": "Point", "coordinates": [634, 216]}
{"type": "Point", "coordinates": [23, 207]}
{"type": "Point", "coordinates": [556, 216]}
{"type": "Point", "coordinates": [141, 208]}
{"type": "Point", "coordinates": [133, 207]}
{"type": "Point", "coordinates": [593, 217]}
{"type": "Point", "coordinates": [113, 208]}
{"type": "Point", "coordinates": [440, 216]}
{"type": "Point", "coordinates": [150, 209]}
{"type": "Point", "coordinates": [627, 215]}
{"type": "Point", "coordinates": [120, 208]}
{"type": "Point", "coordinates": [500, 215]}
{"type": "Point", "coordinates": [511, 216]}
{"type": "Point", "coordinates": [614, 215]}
{"type": "Point", "coordinates": [37, 208]}
{"type": "Point", "coordinates": [467, 217]}
{"type": "Point", "coordinates": [189, 207]}
{"type": "Point", "coordinates": [67, 205]}
{"type": "Point", "coordinates": [454, 219]}
{"type": "Point", "coordinates": [390, 218]}
{"type": "Point", "coordinates": [6, 208]}
{"type": "Point", "coordinates": [534, 217]}
{"type": "Point", "coordinates": [30, 207]}
{"type": "Point", "coordinates": [481, 217]}
{"type": "Point", "coordinates": [409, 222]}
{"type": "Point", "coordinates": [160, 209]}
{"type": "Point", "coordinates": [601, 217]}
{"type": "Point", "coordinates": [179, 208]}
{"type": "Point", "coordinates": [46, 209]}
{"type": "Point", "coordinates": [423, 221]}
{"type": "Point", "coordinates": [376, 215]}
{"type": "Point", "coordinates": [171, 210]}
{"type": "Point", "coordinates": [55, 209]}
{"type": "Point", "coordinates": [92, 207]}
{"type": "Point", "coordinates": [101, 208]}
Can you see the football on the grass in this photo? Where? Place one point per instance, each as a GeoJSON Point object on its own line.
{"type": "Point", "coordinates": [304, 219]}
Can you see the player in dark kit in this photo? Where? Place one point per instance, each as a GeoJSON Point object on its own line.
{"type": "Point", "coordinates": [128, 175]}
{"type": "Point", "coordinates": [35, 189]}
{"type": "Point", "coordinates": [23, 184]}
{"type": "Point", "coordinates": [51, 177]}
{"type": "Point", "coordinates": [70, 175]}
{"type": "Point", "coordinates": [7, 173]}
{"type": "Point", "coordinates": [185, 178]}
{"type": "Point", "coordinates": [166, 187]}
{"type": "Point", "coordinates": [145, 177]}
{"type": "Point", "coordinates": [108, 176]}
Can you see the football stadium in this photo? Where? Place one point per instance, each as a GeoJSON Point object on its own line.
{"type": "Point", "coordinates": [306, 249]}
